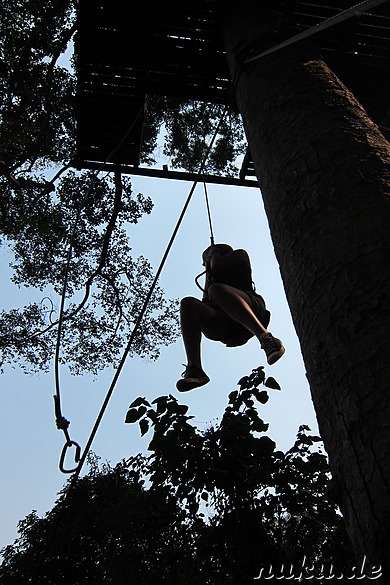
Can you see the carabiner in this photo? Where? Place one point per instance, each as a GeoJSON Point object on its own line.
{"type": "Point", "coordinates": [76, 456]}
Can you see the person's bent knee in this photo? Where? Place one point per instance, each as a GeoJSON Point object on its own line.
{"type": "Point", "coordinates": [189, 304]}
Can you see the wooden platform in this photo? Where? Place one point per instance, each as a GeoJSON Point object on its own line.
{"type": "Point", "coordinates": [126, 49]}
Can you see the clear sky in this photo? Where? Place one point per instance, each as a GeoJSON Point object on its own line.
{"type": "Point", "coordinates": [30, 444]}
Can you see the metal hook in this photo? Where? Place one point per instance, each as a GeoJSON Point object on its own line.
{"type": "Point", "coordinates": [76, 456]}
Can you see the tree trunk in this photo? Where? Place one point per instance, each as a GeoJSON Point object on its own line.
{"type": "Point", "coordinates": [323, 169]}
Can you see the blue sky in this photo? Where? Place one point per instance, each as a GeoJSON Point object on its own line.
{"type": "Point", "coordinates": [30, 444]}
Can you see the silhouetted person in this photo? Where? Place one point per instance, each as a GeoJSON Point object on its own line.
{"type": "Point", "coordinates": [230, 311]}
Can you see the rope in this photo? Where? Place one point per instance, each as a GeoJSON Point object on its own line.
{"type": "Point", "coordinates": [338, 18]}
{"type": "Point", "coordinates": [144, 307]}
{"type": "Point", "coordinates": [209, 214]}
{"type": "Point", "coordinates": [197, 280]}
{"type": "Point", "coordinates": [61, 422]}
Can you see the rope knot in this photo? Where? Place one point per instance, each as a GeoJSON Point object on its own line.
{"type": "Point", "coordinates": [62, 423]}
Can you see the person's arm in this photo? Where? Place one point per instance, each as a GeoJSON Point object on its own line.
{"type": "Point", "coordinates": [206, 286]}
{"type": "Point", "coordinates": [208, 278]}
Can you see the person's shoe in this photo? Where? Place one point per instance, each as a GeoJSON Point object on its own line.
{"type": "Point", "coordinates": [273, 348]}
{"type": "Point", "coordinates": [192, 377]}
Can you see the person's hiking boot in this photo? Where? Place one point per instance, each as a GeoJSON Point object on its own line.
{"type": "Point", "coordinates": [192, 377]}
{"type": "Point", "coordinates": [273, 347]}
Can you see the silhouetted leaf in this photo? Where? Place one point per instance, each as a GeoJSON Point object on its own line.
{"type": "Point", "coordinates": [267, 445]}
{"type": "Point", "coordinates": [272, 383]}
{"type": "Point", "coordinates": [144, 426]}
{"type": "Point", "coordinates": [138, 401]}
{"type": "Point", "coordinates": [233, 396]}
{"type": "Point", "coordinates": [243, 382]}
{"type": "Point", "coordinates": [262, 396]}
{"type": "Point", "coordinates": [141, 411]}
{"type": "Point", "coordinates": [132, 415]}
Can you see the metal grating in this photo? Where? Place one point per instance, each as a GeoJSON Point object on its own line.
{"type": "Point", "coordinates": [126, 50]}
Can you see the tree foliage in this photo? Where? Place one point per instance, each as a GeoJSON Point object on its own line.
{"type": "Point", "coordinates": [235, 468]}
{"type": "Point", "coordinates": [106, 285]}
{"type": "Point", "coordinates": [108, 529]}
{"type": "Point", "coordinates": [206, 506]}
{"type": "Point", "coordinates": [188, 130]}
{"type": "Point", "coordinates": [36, 94]}
{"type": "Point", "coordinates": [40, 218]}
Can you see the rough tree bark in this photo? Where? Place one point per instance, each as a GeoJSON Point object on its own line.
{"type": "Point", "coordinates": [323, 170]}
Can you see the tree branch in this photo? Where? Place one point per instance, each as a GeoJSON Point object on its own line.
{"type": "Point", "coordinates": [70, 315]}
{"type": "Point", "coordinates": [102, 261]}
{"type": "Point", "coordinates": [50, 71]}
{"type": "Point", "coordinates": [112, 222]}
{"type": "Point", "coordinates": [64, 168]}
{"type": "Point", "coordinates": [39, 30]}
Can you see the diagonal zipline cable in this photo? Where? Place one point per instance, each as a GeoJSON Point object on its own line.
{"type": "Point", "coordinates": [145, 305]}
{"type": "Point", "coordinates": [336, 19]}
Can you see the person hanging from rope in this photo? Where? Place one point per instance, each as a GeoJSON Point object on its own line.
{"type": "Point", "coordinates": [230, 311]}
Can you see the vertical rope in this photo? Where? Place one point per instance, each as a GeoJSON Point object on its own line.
{"type": "Point", "coordinates": [61, 422]}
{"type": "Point", "coordinates": [209, 215]}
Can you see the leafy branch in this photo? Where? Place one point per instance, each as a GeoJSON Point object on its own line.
{"type": "Point", "coordinates": [174, 437]}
